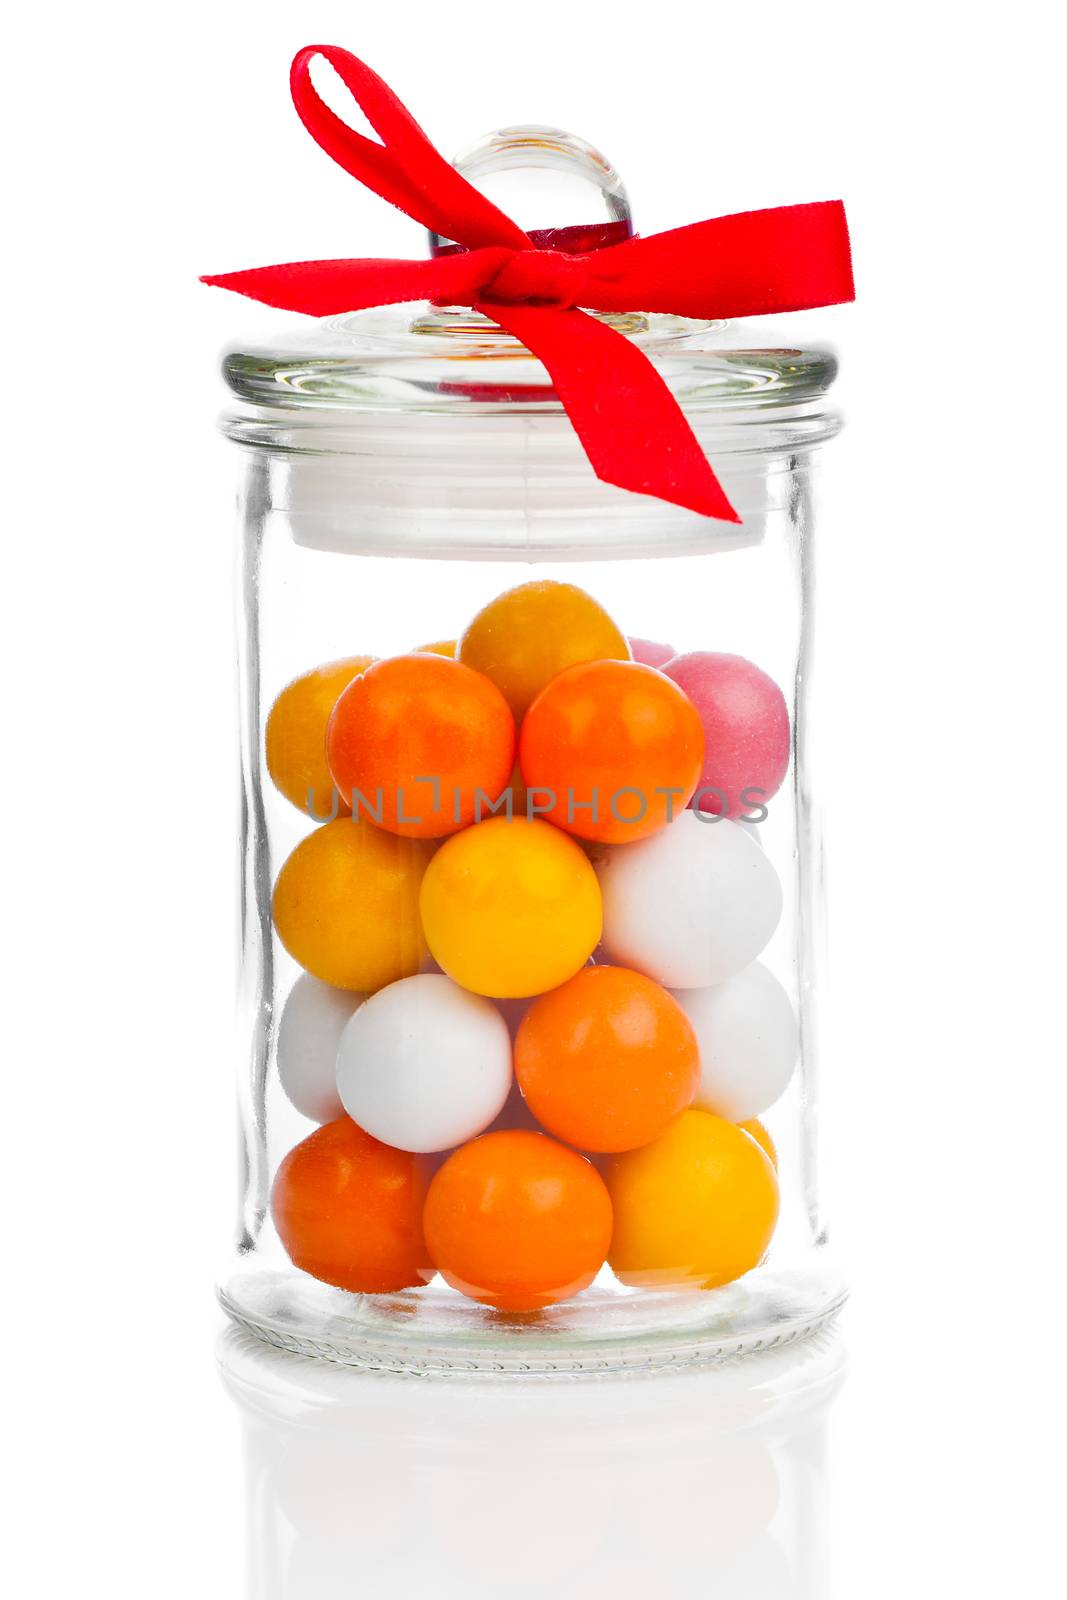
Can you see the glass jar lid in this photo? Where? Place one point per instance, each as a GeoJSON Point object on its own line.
{"type": "Point", "coordinates": [430, 411]}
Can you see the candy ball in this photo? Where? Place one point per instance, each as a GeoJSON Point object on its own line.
{"type": "Point", "coordinates": [510, 908]}
{"type": "Point", "coordinates": [746, 730]}
{"type": "Point", "coordinates": [312, 1021]}
{"type": "Point", "coordinates": [523, 638]}
{"type": "Point", "coordinates": [611, 750]}
{"type": "Point", "coordinates": [296, 736]}
{"type": "Point", "coordinates": [747, 1034]}
{"type": "Point", "coordinates": [421, 745]}
{"type": "Point", "coordinates": [424, 1065]}
{"type": "Point", "coordinates": [440, 647]}
{"type": "Point", "coordinates": [518, 1221]}
{"type": "Point", "coordinates": [696, 1208]}
{"type": "Point", "coordinates": [607, 1061]}
{"type": "Point", "coordinates": [651, 654]}
{"type": "Point", "coordinates": [346, 905]}
{"type": "Point", "coordinates": [691, 906]}
{"type": "Point", "coordinates": [755, 1130]}
{"type": "Point", "coordinates": [349, 1211]}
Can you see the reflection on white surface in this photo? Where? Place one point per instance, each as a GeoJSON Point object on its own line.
{"type": "Point", "coordinates": [709, 1483]}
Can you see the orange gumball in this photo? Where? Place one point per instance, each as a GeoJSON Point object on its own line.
{"type": "Point", "coordinates": [510, 908]}
{"type": "Point", "coordinates": [694, 1209]}
{"type": "Point", "coordinates": [524, 637]}
{"type": "Point", "coordinates": [517, 1221]}
{"type": "Point", "coordinates": [295, 736]}
{"type": "Point", "coordinates": [440, 647]}
{"type": "Point", "coordinates": [349, 1211]}
{"type": "Point", "coordinates": [607, 1061]}
{"type": "Point", "coordinates": [611, 751]}
{"type": "Point", "coordinates": [421, 745]}
{"type": "Point", "coordinates": [346, 905]}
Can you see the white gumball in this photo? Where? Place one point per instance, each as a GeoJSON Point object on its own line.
{"type": "Point", "coordinates": [424, 1065]}
{"type": "Point", "coordinates": [747, 1033]}
{"type": "Point", "coordinates": [690, 906]}
{"type": "Point", "coordinates": [313, 1020]}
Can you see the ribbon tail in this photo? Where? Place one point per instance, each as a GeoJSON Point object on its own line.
{"type": "Point", "coordinates": [630, 425]}
{"type": "Point", "coordinates": [327, 288]}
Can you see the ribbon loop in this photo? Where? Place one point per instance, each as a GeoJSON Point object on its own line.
{"type": "Point", "coordinates": [635, 434]}
{"type": "Point", "coordinates": [405, 168]}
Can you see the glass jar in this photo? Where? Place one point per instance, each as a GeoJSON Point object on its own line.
{"type": "Point", "coordinates": [530, 865]}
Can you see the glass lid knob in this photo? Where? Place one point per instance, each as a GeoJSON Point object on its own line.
{"type": "Point", "coordinates": [556, 186]}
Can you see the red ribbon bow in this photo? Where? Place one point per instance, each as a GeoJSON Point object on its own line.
{"type": "Point", "coordinates": [789, 258]}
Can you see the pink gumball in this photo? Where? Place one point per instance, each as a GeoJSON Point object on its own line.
{"type": "Point", "coordinates": [649, 653]}
{"type": "Point", "coordinates": [746, 730]}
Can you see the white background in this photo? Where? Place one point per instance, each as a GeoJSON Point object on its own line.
{"type": "Point", "coordinates": [144, 147]}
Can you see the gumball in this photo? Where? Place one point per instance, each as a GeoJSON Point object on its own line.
{"type": "Point", "coordinates": [517, 1221]}
{"type": "Point", "coordinates": [746, 730]}
{"type": "Point", "coordinates": [442, 647]}
{"type": "Point", "coordinates": [312, 1021]}
{"type": "Point", "coordinates": [691, 906]}
{"type": "Point", "coordinates": [607, 1061]}
{"type": "Point", "coordinates": [349, 1211]}
{"type": "Point", "coordinates": [424, 1065]}
{"type": "Point", "coordinates": [747, 1034]}
{"type": "Point", "coordinates": [696, 1208]}
{"type": "Point", "coordinates": [510, 908]}
{"type": "Point", "coordinates": [296, 736]}
{"type": "Point", "coordinates": [651, 654]}
{"type": "Point", "coordinates": [421, 745]}
{"type": "Point", "coordinates": [523, 638]}
{"type": "Point", "coordinates": [755, 1130]}
{"type": "Point", "coordinates": [611, 750]}
{"type": "Point", "coordinates": [346, 905]}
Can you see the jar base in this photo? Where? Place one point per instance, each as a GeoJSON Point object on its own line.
{"type": "Point", "coordinates": [432, 1332]}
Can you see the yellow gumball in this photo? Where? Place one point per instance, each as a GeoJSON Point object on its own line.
{"type": "Point", "coordinates": [755, 1130]}
{"type": "Point", "coordinates": [523, 638]}
{"type": "Point", "coordinates": [511, 908]}
{"type": "Point", "coordinates": [696, 1208]}
{"type": "Point", "coordinates": [441, 647]}
{"type": "Point", "coordinates": [346, 904]}
{"type": "Point", "coordinates": [296, 736]}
